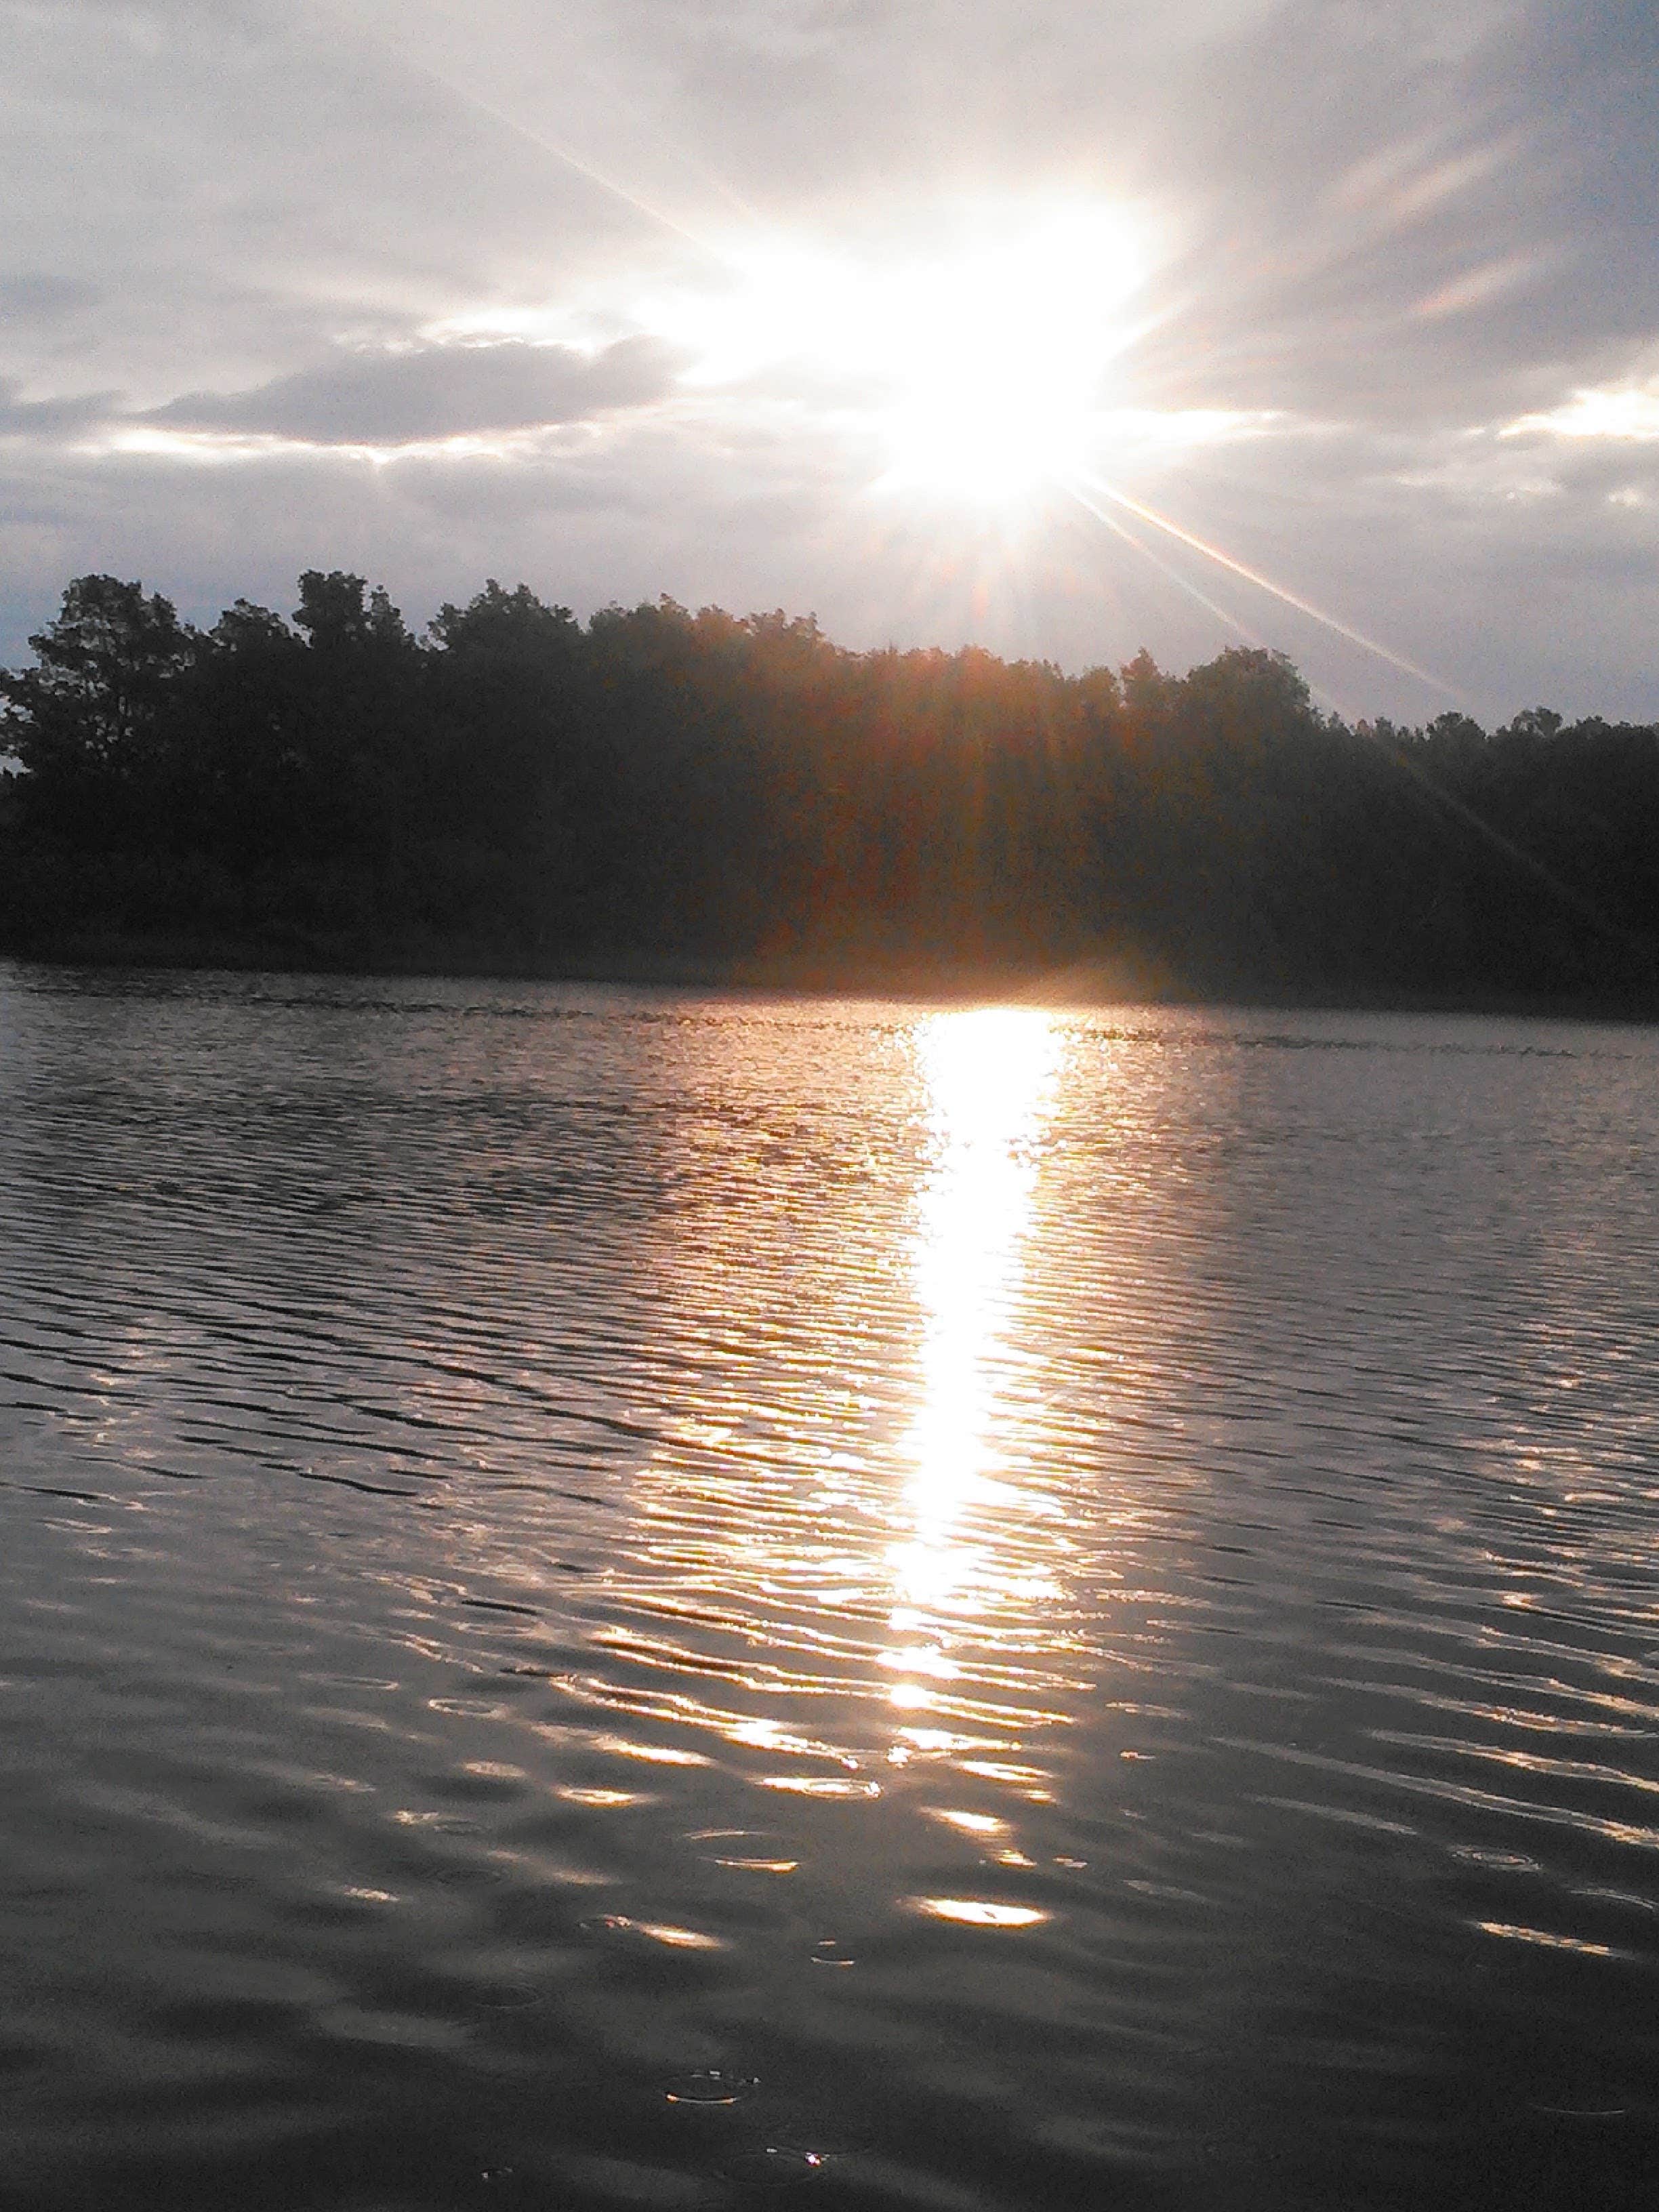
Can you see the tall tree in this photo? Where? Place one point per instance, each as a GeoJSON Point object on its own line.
{"type": "Point", "coordinates": [90, 721]}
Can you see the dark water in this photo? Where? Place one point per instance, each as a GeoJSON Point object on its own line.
{"type": "Point", "coordinates": [624, 1599]}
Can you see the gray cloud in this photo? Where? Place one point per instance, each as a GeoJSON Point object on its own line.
{"type": "Point", "coordinates": [49, 419]}
{"type": "Point", "coordinates": [435, 392]}
{"type": "Point", "coordinates": [43, 296]}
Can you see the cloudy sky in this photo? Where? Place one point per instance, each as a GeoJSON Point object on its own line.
{"type": "Point", "coordinates": [1065, 328]}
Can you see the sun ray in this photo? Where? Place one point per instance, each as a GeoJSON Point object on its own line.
{"type": "Point", "coordinates": [1165, 569]}
{"type": "Point", "coordinates": [550, 146]}
{"type": "Point", "coordinates": [1488, 832]}
{"type": "Point", "coordinates": [1278, 591]}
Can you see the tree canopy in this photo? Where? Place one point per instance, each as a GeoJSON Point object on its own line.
{"type": "Point", "coordinates": [520, 788]}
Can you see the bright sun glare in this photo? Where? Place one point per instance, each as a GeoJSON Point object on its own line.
{"type": "Point", "coordinates": [989, 1073]}
{"type": "Point", "coordinates": [980, 367]}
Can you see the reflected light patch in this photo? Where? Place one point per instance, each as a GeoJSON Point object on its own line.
{"type": "Point", "coordinates": [803, 1785]}
{"type": "Point", "coordinates": [1028, 1780]}
{"type": "Point", "coordinates": [676, 1939]}
{"type": "Point", "coordinates": [1548, 1938]}
{"type": "Point", "coordinates": [989, 1075]}
{"type": "Point", "coordinates": [924, 1659]}
{"type": "Point", "coordinates": [971, 1824]}
{"type": "Point", "coordinates": [766, 1735]}
{"type": "Point", "coordinates": [979, 1912]}
{"type": "Point", "coordinates": [655, 1754]}
{"type": "Point", "coordinates": [909, 1696]}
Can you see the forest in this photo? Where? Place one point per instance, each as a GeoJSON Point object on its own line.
{"type": "Point", "coordinates": [657, 792]}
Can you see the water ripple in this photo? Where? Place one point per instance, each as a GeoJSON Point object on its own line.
{"type": "Point", "coordinates": [537, 1520]}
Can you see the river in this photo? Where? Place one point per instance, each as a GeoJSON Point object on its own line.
{"type": "Point", "coordinates": [629, 1598]}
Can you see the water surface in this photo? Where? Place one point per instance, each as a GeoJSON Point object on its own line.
{"type": "Point", "coordinates": [619, 1598]}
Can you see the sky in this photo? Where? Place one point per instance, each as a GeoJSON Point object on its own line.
{"type": "Point", "coordinates": [1064, 329]}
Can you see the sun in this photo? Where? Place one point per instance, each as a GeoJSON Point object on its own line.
{"type": "Point", "coordinates": [977, 368]}
{"type": "Point", "coordinates": [997, 357]}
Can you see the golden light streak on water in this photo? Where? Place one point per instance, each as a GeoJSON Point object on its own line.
{"type": "Point", "coordinates": [989, 1076]}
{"type": "Point", "coordinates": [980, 1913]}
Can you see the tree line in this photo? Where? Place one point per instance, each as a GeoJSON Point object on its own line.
{"type": "Point", "coordinates": [518, 789]}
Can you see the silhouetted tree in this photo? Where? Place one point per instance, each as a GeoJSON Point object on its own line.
{"type": "Point", "coordinates": [711, 785]}
{"type": "Point", "coordinates": [89, 721]}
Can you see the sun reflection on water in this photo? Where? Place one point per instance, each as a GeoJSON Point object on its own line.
{"type": "Point", "coordinates": [847, 1552]}
{"type": "Point", "coordinates": [990, 1076]}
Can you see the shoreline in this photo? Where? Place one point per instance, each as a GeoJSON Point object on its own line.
{"type": "Point", "coordinates": [1102, 982]}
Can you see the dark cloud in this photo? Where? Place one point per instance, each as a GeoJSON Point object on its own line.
{"type": "Point", "coordinates": [436, 391]}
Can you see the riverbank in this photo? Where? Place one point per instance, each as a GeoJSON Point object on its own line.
{"type": "Point", "coordinates": [858, 972]}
